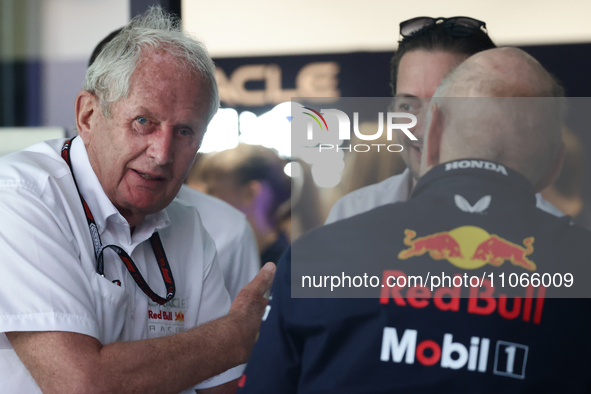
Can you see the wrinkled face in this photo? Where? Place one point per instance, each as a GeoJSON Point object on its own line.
{"type": "Point", "coordinates": [142, 153]}
{"type": "Point", "coordinates": [419, 74]}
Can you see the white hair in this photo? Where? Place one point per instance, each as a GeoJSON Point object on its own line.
{"type": "Point", "coordinates": [109, 77]}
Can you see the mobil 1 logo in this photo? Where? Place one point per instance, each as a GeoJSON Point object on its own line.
{"type": "Point", "coordinates": [510, 359]}
{"type": "Point", "coordinates": [404, 347]}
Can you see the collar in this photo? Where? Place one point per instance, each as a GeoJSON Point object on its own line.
{"type": "Point", "coordinates": [403, 192]}
{"type": "Point", "coordinates": [100, 205]}
{"type": "Point", "coordinates": [469, 173]}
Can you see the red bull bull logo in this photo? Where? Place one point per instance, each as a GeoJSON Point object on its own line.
{"type": "Point", "coordinates": [469, 247]}
{"type": "Point", "coordinates": [439, 246]}
{"type": "Point", "coordinates": [496, 250]}
{"type": "Point", "coordinates": [179, 316]}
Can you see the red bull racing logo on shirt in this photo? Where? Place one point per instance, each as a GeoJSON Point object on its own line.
{"type": "Point", "coordinates": [166, 319]}
{"type": "Point", "coordinates": [469, 247]}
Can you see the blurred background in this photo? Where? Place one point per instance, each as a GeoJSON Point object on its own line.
{"type": "Point", "coordinates": [269, 51]}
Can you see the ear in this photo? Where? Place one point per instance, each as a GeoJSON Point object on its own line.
{"type": "Point", "coordinates": [554, 171]}
{"type": "Point", "coordinates": [434, 137]}
{"type": "Point", "coordinates": [87, 109]}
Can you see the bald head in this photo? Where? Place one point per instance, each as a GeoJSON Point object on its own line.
{"type": "Point", "coordinates": [500, 105]}
{"type": "Point", "coordinates": [500, 72]}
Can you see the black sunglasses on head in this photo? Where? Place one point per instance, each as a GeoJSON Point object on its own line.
{"type": "Point", "coordinates": [457, 26]}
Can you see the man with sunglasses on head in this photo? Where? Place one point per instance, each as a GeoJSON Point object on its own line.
{"type": "Point", "coordinates": [108, 284]}
{"type": "Point", "coordinates": [429, 50]}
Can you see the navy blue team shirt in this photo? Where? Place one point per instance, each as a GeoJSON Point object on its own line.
{"type": "Point", "coordinates": [448, 340]}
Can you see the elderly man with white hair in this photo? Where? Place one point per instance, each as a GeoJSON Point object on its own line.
{"type": "Point", "coordinates": [108, 285]}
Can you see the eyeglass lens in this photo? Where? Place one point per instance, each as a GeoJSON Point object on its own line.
{"type": "Point", "coordinates": [457, 26]}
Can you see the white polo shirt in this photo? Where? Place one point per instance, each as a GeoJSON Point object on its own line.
{"type": "Point", "coordinates": [397, 188]}
{"type": "Point", "coordinates": [238, 253]}
{"type": "Point", "coordinates": [48, 279]}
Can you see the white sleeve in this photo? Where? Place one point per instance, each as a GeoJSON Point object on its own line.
{"type": "Point", "coordinates": [43, 286]}
{"type": "Point", "coordinates": [242, 260]}
{"type": "Point", "coordinates": [215, 303]}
